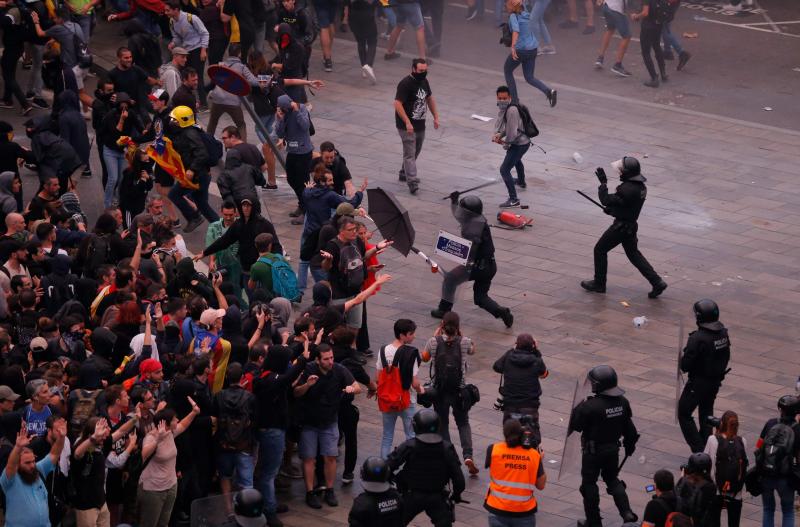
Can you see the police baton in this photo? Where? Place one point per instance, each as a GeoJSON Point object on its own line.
{"type": "Point", "coordinates": [591, 199]}
{"type": "Point", "coordinates": [492, 182]}
{"type": "Point", "coordinates": [619, 468]}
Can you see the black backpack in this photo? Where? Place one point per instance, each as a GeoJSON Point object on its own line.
{"type": "Point", "coordinates": [98, 252]}
{"type": "Point", "coordinates": [730, 466]}
{"type": "Point", "coordinates": [774, 458]}
{"type": "Point", "coordinates": [82, 53]}
{"type": "Point", "coordinates": [690, 500]}
{"type": "Point", "coordinates": [528, 126]}
{"type": "Point", "coordinates": [58, 290]}
{"type": "Point", "coordinates": [351, 266]}
{"type": "Point", "coordinates": [213, 146]}
{"type": "Point", "coordinates": [505, 36]}
{"type": "Point", "coordinates": [448, 363]}
{"type": "Point", "coordinates": [661, 11]}
{"type": "Point", "coordinates": [235, 428]}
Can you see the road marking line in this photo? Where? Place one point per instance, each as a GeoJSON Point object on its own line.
{"type": "Point", "coordinates": [744, 26]}
{"type": "Point", "coordinates": [767, 18]}
{"type": "Point", "coordinates": [781, 23]}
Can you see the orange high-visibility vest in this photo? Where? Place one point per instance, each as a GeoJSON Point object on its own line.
{"type": "Point", "coordinates": [513, 478]}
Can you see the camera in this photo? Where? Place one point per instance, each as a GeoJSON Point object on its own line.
{"type": "Point", "coordinates": [499, 404]}
{"type": "Point", "coordinates": [220, 273]}
{"type": "Point", "coordinates": [714, 421]}
{"type": "Point", "coordinates": [530, 436]}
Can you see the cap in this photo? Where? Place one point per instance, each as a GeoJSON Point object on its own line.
{"type": "Point", "coordinates": [179, 51]}
{"type": "Point", "coordinates": [345, 209]}
{"type": "Point", "coordinates": [248, 200]}
{"type": "Point", "coordinates": [38, 344]}
{"type": "Point", "coordinates": [149, 366]}
{"type": "Point", "coordinates": [284, 102]}
{"type": "Point", "coordinates": [7, 394]}
{"type": "Point", "coordinates": [209, 316]}
{"type": "Point", "coordinates": [159, 95]}
{"type": "Point", "coordinates": [143, 219]}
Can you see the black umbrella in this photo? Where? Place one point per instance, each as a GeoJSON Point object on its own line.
{"type": "Point", "coordinates": [392, 219]}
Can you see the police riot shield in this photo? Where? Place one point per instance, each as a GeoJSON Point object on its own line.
{"type": "Point", "coordinates": [212, 511]}
{"type": "Point", "coordinates": [679, 381]}
{"type": "Point", "coordinates": [571, 453]}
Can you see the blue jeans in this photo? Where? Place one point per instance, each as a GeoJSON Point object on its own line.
{"type": "Point", "coordinates": [510, 521]}
{"type": "Point", "coordinates": [271, 442]}
{"type": "Point", "coordinates": [786, 495]}
{"type": "Point", "coordinates": [389, 419]}
{"type": "Point", "coordinates": [527, 57]}
{"type": "Point", "coordinates": [241, 463]}
{"type": "Point", "coordinates": [199, 197]}
{"type": "Point", "coordinates": [513, 159]}
{"type": "Point", "coordinates": [115, 165]}
{"type": "Point", "coordinates": [391, 19]}
{"type": "Point", "coordinates": [538, 26]}
{"type": "Point", "coordinates": [670, 39]}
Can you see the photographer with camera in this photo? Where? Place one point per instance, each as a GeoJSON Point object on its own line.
{"type": "Point", "coordinates": [520, 389]}
{"type": "Point", "coordinates": [728, 451]}
{"type": "Point", "coordinates": [515, 470]}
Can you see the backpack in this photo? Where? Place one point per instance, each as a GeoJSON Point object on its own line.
{"type": "Point", "coordinates": [284, 280]}
{"type": "Point", "coordinates": [448, 363]}
{"type": "Point", "coordinates": [505, 36]}
{"type": "Point", "coordinates": [82, 410]}
{"type": "Point", "coordinates": [661, 11]}
{"type": "Point", "coordinates": [98, 252]}
{"type": "Point", "coordinates": [731, 465]}
{"type": "Point", "coordinates": [690, 500]}
{"type": "Point", "coordinates": [391, 395]}
{"type": "Point", "coordinates": [774, 458]}
{"type": "Point", "coordinates": [528, 126]}
{"type": "Point", "coordinates": [351, 266]}
{"type": "Point", "coordinates": [672, 514]}
{"type": "Point", "coordinates": [235, 429]}
{"type": "Point", "coordinates": [57, 291]}
{"type": "Point", "coordinates": [82, 53]}
{"type": "Point", "coordinates": [213, 146]}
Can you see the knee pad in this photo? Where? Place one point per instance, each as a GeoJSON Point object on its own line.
{"type": "Point", "coordinates": [616, 487]}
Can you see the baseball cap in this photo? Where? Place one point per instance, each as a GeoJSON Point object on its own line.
{"type": "Point", "coordinates": [7, 394]}
{"type": "Point", "coordinates": [179, 51]}
{"type": "Point", "coordinates": [38, 344]}
{"type": "Point", "coordinates": [209, 316]}
{"type": "Point", "coordinates": [158, 95]}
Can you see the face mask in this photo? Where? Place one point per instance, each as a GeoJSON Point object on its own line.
{"type": "Point", "coordinates": [503, 104]}
{"type": "Point", "coordinates": [420, 76]}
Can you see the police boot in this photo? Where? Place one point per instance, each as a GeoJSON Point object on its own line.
{"type": "Point", "coordinates": [593, 286]}
{"type": "Point", "coordinates": [622, 502]}
{"type": "Point", "coordinates": [444, 307]}
{"type": "Point", "coordinates": [589, 523]}
{"type": "Point", "coordinates": [658, 288]}
{"type": "Point", "coordinates": [508, 318]}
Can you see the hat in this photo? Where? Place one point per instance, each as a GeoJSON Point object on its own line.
{"type": "Point", "coordinates": [179, 51]}
{"type": "Point", "coordinates": [284, 102]}
{"type": "Point", "coordinates": [38, 344]}
{"type": "Point", "coordinates": [248, 200]}
{"type": "Point", "coordinates": [345, 209]}
{"type": "Point", "coordinates": [209, 316]}
{"type": "Point", "coordinates": [143, 220]}
{"type": "Point", "coordinates": [123, 97]}
{"type": "Point", "coordinates": [7, 394]}
{"type": "Point", "coordinates": [159, 95]}
{"type": "Point", "coordinates": [149, 366]}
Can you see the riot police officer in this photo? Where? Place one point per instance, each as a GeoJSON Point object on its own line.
{"type": "Point", "coordinates": [481, 266]}
{"type": "Point", "coordinates": [380, 504]}
{"type": "Point", "coordinates": [248, 510]}
{"type": "Point", "coordinates": [705, 358]}
{"type": "Point", "coordinates": [602, 419]}
{"type": "Point", "coordinates": [428, 463]}
{"type": "Point", "coordinates": [625, 205]}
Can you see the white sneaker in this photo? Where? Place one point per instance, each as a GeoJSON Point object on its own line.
{"type": "Point", "coordinates": [367, 69]}
{"type": "Point", "coordinates": [364, 71]}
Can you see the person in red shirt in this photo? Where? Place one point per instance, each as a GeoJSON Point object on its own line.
{"type": "Point", "coordinates": [372, 266]}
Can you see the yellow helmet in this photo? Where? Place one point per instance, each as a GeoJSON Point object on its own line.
{"type": "Point", "coordinates": [183, 115]}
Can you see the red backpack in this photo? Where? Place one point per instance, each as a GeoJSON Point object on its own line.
{"type": "Point", "coordinates": [391, 395]}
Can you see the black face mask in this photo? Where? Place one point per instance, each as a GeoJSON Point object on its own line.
{"type": "Point", "coordinates": [172, 127]}
{"type": "Point", "coordinates": [420, 76]}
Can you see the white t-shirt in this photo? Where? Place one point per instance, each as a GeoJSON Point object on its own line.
{"type": "Point", "coordinates": [616, 5]}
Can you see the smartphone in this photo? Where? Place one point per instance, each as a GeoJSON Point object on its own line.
{"type": "Point", "coordinates": [650, 488]}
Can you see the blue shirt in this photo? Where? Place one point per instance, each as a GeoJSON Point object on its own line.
{"type": "Point", "coordinates": [521, 23]}
{"type": "Point", "coordinates": [26, 505]}
{"type": "Point", "coordinates": [36, 421]}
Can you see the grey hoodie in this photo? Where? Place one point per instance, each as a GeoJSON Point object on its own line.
{"type": "Point", "coordinates": [294, 127]}
{"type": "Point", "coordinates": [509, 126]}
{"type": "Point", "coordinates": [8, 203]}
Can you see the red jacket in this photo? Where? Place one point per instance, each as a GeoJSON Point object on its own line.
{"type": "Point", "coordinates": [156, 6]}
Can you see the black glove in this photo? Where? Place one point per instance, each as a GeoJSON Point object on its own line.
{"type": "Point", "coordinates": [630, 449]}
{"type": "Point", "coordinates": [454, 197]}
{"type": "Point", "coordinates": [601, 175]}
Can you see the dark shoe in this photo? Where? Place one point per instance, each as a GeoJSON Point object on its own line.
{"type": "Point", "coordinates": [6, 104]}
{"type": "Point", "coordinates": [27, 109]}
{"type": "Point", "coordinates": [588, 30]}
{"type": "Point", "coordinates": [668, 55]}
{"type": "Point", "coordinates": [347, 478]}
{"type": "Point", "coordinates": [437, 313]}
{"type": "Point", "coordinates": [193, 224]}
{"type": "Point", "coordinates": [664, 77]}
{"type": "Point", "coordinates": [444, 307]}
{"type": "Point", "coordinates": [401, 176]}
{"type": "Point", "coordinates": [273, 521]}
{"type": "Point", "coordinates": [587, 523]}
{"type": "Point", "coordinates": [509, 203]}
{"type": "Point", "coordinates": [552, 96]}
{"type": "Point", "coordinates": [471, 467]}
{"type": "Point", "coordinates": [657, 289]}
{"type": "Point", "coordinates": [568, 24]}
{"type": "Point", "coordinates": [327, 65]}
{"type": "Point", "coordinates": [86, 173]}
{"type": "Point", "coordinates": [508, 318]}
{"type": "Point", "coordinates": [594, 287]}
{"type": "Point", "coordinates": [683, 58]}
{"type": "Point", "coordinates": [521, 184]}
{"type": "Point", "coordinates": [413, 189]}
{"type": "Point", "coordinates": [620, 70]}
{"type": "Point", "coordinates": [652, 83]}
{"type": "Point", "coordinates": [30, 95]}
{"type": "Point", "coordinates": [296, 212]}
{"type": "Point", "coordinates": [312, 500]}
{"type": "Point", "coordinates": [330, 498]}
{"type": "Point", "coordinates": [598, 64]}
{"type": "Point", "coordinates": [472, 12]}
{"type": "Point", "coordinates": [281, 483]}
{"type": "Point", "coordinates": [629, 517]}
{"type": "Point", "coordinates": [269, 187]}
{"type": "Point", "coordinates": [40, 103]}
{"type": "Point", "coordinates": [391, 56]}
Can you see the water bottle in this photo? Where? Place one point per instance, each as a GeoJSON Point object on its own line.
{"type": "Point", "coordinates": [642, 459]}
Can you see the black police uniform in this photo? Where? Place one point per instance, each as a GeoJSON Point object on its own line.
{"type": "Point", "coordinates": [603, 419]}
{"type": "Point", "coordinates": [426, 470]}
{"type": "Point", "coordinates": [377, 509]}
{"type": "Point", "coordinates": [705, 358]}
{"type": "Point", "coordinates": [625, 205]}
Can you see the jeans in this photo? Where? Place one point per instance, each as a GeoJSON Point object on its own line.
{"type": "Point", "coordinates": [115, 165]}
{"type": "Point", "coordinates": [271, 442]}
{"type": "Point", "coordinates": [498, 10]}
{"type": "Point", "coordinates": [412, 146]}
{"type": "Point", "coordinates": [442, 404]}
{"type": "Point", "coordinates": [650, 38]}
{"type": "Point", "coordinates": [199, 197]}
{"type": "Point", "coordinates": [85, 21]}
{"type": "Point", "coordinates": [526, 57]}
{"type": "Point", "coordinates": [786, 495]}
{"type": "Point", "coordinates": [35, 81]}
{"type": "Point", "coordinates": [513, 159]}
{"type": "Point", "coordinates": [512, 521]}
{"type": "Point", "coordinates": [391, 18]}
{"type": "Point", "coordinates": [389, 419]}
{"type": "Point", "coordinates": [302, 275]}
{"type": "Point", "coordinates": [670, 39]}
{"type": "Point", "coordinates": [243, 464]}
{"type": "Point", "coordinates": [538, 26]}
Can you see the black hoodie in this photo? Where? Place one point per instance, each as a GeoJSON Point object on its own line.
{"type": "Point", "coordinates": [291, 54]}
{"type": "Point", "coordinates": [245, 232]}
{"type": "Point", "coordinates": [72, 125]}
{"type": "Point", "coordinates": [521, 370]}
{"type": "Point", "coordinates": [272, 387]}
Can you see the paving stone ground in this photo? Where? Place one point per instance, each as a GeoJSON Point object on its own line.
{"type": "Point", "coordinates": [721, 221]}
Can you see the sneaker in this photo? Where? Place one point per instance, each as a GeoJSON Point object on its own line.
{"type": "Point", "coordinates": [330, 498]}
{"type": "Point", "coordinates": [521, 184]}
{"type": "Point", "coordinates": [87, 173]}
{"type": "Point", "coordinates": [40, 103]}
{"type": "Point", "coordinates": [509, 203]}
{"type": "Point", "coordinates": [552, 96]}
{"type": "Point", "coordinates": [270, 186]}
{"type": "Point", "coordinates": [668, 55]}
{"type": "Point", "coordinates": [30, 95]}
{"type": "Point", "coordinates": [363, 72]}
{"type": "Point", "coordinates": [620, 70]}
{"type": "Point", "coordinates": [6, 104]}
{"type": "Point", "coordinates": [368, 353]}
{"type": "Point", "coordinates": [683, 58]}
{"type": "Point", "coordinates": [312, 500]}
{"type": "Point", "coordinates": [193, 224]}
{"type": "Point", "coordinates": [367, 69]}
{"type": "Point", "coordinates": [598, 64]}
{"type": "Point", "coordinates": [413, 189]}
{"type": "Point", "coordinates": [401, 176]}
{"type": "Point", "coordinates": [657, 289]}
{"type": "Point", "coordinates": [385, 36]}
{"type": "Point", "coordinates": [652, 83]}
{"type": "Point", "coordinates": [296, 213]}
{"type": "Point", "coordinates": [347, 478]}
{"type": "Point", "coordinates": [472, 12]}
{"type": "Point", "coordinates": [593, 286]}
{"type": "Point", "coordinates": [629, 517]}
{"type": "Point", "coordinates": [391, 56]}
{"type": "Point", "coordinates": [547, 50]}
{"type": "Point", "coordinates": [568, 24]}
{"type": "Point", "coordinates": [508, 320]}
{"type": "Point", "coordinates": [327, 64]}
{"type": "Point", "coordinates": [471, 467]}
{"type": "Point", "coordinates": [588, 30]}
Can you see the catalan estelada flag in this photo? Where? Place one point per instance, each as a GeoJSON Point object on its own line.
{"type": "Point", "coordinates": [169, 160]}
{"type": "Point", "coordinates": [130, 148]}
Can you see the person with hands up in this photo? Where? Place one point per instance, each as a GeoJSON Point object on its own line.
{"type": "Point", "coordinates": [624, 205]}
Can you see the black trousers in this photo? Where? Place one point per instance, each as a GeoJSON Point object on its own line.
{"type": "Point", "coordinates": [625, 234]}
{"type": "Point", "coordinates": [700, 395]}
{"type": "Point", "coordinates": [650, 38]}
{"type": "Point", "coordinates": [602, 464]}
{"type": "Point", "coordinates": [482, 282]}
{"type": "Point", "coordinates": [732, 505]}
{"type": "Point", "coordinates": [216, 50]}
{"type": "Point", "coordinates": [365, 31]}
{"type": "Point", "coordinates": [362, 339]}
{"type": "Point", "coordinates": [8, 64]}
{"type": "Point", "coordinates": [297, 166]}
{"type": "Point", "coordinates": [348, 427]}
{"type": "Point", "coordinates": [435, 8]}
{"type": "Point", "coordinates": [433, 503]}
